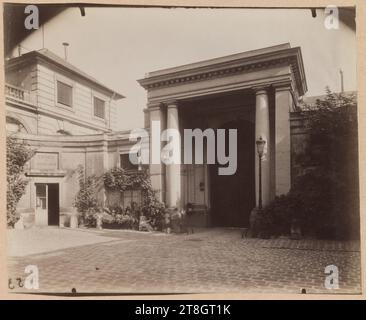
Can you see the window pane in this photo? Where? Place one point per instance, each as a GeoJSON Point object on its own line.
{"type": "Point", "coordinates": [64, 94]}
{"type": "Point", "coordinates": [41, 190]}
{"type": "Point", "coordinates": [41, 194]}
{"type": "Point", "coordinates": [99, 108]}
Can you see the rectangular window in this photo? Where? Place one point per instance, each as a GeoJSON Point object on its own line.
{"type": "Point", "coordinates": [64, 94]}
{"type": "Point", "coordinates": [99, 108]}
{"type": "Point", "coordinates": [126, 163]}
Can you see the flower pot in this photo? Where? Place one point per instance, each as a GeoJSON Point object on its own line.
{"type": "Point", "coordinates": [99, 222]}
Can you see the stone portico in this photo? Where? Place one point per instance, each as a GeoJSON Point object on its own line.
{"type": "Point", "coordinates": [253, 92]}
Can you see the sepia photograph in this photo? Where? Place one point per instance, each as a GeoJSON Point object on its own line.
{"type": "Point", "coordinates": [164, 150]}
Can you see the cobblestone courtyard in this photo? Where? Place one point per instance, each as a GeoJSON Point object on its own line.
{"type": "Point", "coordinates": [209, 261]}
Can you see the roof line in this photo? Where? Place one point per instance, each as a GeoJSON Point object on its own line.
{"type": "Point", "coordinates": [49, 56]}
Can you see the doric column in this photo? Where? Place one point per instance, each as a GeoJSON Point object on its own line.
{"type": "Point", "coordinates": [157, 123]}
{"type": "Point", "coordinates": [262, 129]}
{"type": "Point", "coordinates": [283, 104]}
{"type": "Point", "coordinates": [173, 170]}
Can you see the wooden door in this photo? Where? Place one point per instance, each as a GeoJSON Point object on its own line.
{"type": "Point", "coordinates": [233, 196]}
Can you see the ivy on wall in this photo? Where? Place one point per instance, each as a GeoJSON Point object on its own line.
{"type": "Point", "coordinates": [17, 155]}
{"type": "Point", "coordinates": [118, 179]}
{"type": "Point", "coordinates": [86, 201]}
{"type": "Point", "coordinates": [324, 200]}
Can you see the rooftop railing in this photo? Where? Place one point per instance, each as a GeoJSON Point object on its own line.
{"type": "Point", "coordinates": [18, 93]}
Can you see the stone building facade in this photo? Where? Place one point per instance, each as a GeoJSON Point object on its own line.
{"type": "Point", "coordinates": [69, 119]}
{"type": "Point", "coordinates": [53, 172]}
{"type": "Point", "coordinates": [253, 92]}
{"type": "Point", "coordinates": [48, 95]}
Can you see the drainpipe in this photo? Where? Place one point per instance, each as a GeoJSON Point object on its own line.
{"type": "Point", "coordinates": [342, 85]}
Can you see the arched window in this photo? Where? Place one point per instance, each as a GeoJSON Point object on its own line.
{"type": "Point", "coordinates": [14, 125]}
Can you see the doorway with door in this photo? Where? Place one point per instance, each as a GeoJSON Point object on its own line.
{"type": "Point", "coordinates": [233, 196]}
{"type": "Point", "coordinates": [47, 204]}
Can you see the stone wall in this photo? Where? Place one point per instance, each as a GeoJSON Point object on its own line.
{"type": "Point", "coordinates": [38, 81]}
{"type": "Point", "coordinates": [299, 143]}
{"type": "Point", "coordinates": [56, 160]}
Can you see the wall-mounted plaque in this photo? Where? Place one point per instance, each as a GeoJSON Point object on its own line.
{"type": "Point", "coordinates": [45, 161]}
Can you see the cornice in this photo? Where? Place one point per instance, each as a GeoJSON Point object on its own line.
{"type": "Point", "coordinates": [172, 103]}
{"type": "Point", "coordinates": [36, 57]}
{"type": "Point", "coordinates": [260, 89]}
{"type": "Point", "coordinates": [291, 57]}
{"type": "Point", "coordinates": [151, 106]}
{"type": "Point", "coordinates": [20, 104]}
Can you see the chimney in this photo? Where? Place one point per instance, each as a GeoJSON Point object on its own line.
{"type": "Point", "coordinates": [342, 85]}
{"type": "Point", "coordinates": [65, 44]}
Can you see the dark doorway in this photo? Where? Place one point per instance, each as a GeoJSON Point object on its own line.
{"type": "Point", "coordinates": [233, 196]}
{"type": "Point", "coordinates": [53, 204]}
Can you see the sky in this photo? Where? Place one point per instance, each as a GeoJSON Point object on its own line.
{"type": "Point", "coordinates": [118, 46]}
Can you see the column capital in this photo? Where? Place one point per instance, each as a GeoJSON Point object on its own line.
{"type": "Point", "coordinates": [283, 86]}
{"type": "Point", "coordinates": [151, 106]}
{"type": "Point", "coordinates": [173, 103]}
{"type": "Point", "coordinates": [262, 89]}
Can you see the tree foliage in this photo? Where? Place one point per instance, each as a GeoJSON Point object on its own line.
{"type": "Point", "coordinates": [324, 200]}
{"type": "Point", "coordinates": [17, 155]}
{"type": "Point", "coordinates": [86, 201]}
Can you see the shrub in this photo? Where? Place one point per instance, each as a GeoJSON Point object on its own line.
{"type": "Point", "coordinates": [324, 200]}
{"type": "Point", "coordinates": [17, 155]}
{"type": "Point", "coordinates": [86, 199]}
{"type": "Point", "coordinates": [117, 179]}
{"type": "Point", "coordinates": [310, 203]}
{"type": "Point", "coordinates": [118, 217]}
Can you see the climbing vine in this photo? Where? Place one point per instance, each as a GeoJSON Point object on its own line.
{"type": "Point", "coordinates": [118, 179]}
{"type": "Point", "coordinates": [17, 155]}
{"type": "Point", "coordinates": [86, 201]}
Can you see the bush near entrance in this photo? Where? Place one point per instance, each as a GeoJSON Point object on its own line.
{"type": "Point", "coordinates": [324, 201]}
{"type": "Point", "coordinates": [17, 155]}
{"type": "Point", "coordinates": [149, 215]}
{"type": "Point", "coordinates": [151, 209]}
{"type": "Point", "coordinates": [86, 201]}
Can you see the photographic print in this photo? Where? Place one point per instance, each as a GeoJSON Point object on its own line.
{"type": "Point", "coordinates": [181, 150]}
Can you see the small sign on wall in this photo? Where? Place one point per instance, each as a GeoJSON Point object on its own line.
{"type": "Point", "coordinates": [45, 161]}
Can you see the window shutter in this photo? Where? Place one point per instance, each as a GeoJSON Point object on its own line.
{"type": "Point", "coordinates": [99, 108]}
{"type": "Point", "coordinates": [64, 94]}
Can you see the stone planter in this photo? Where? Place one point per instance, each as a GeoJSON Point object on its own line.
{"type": "Point", "coordinates": [74, 221]}
{"type": "Point", "coordinates": [63, 220]}
{"type": "Point", "coordinates": [167, 222]}
{"type": "Point", "coordinates": [19, 225]}
{"type": "Point", "coordinates": [65, 215]}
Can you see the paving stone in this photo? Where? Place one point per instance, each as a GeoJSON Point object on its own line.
{"type": "Point", "coordinates": [217, 260]}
